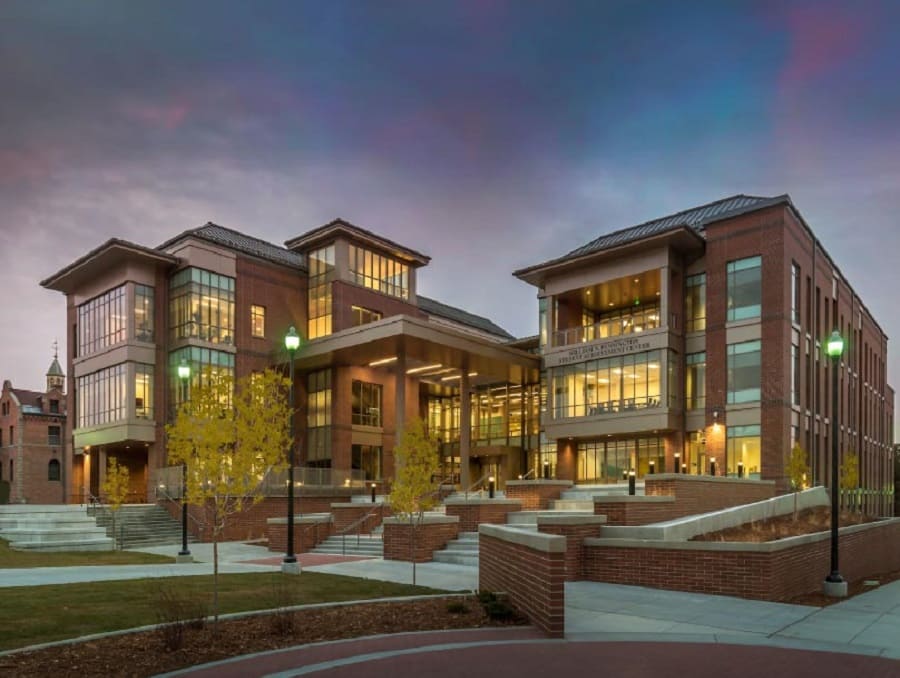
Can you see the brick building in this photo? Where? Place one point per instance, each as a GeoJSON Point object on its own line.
{"type": "Point", "coordinates": [695, 342]}
{"type": "Point", "coordinates": [32, 446]}
{"type": "Point", "coordinates": [376, 353]}
{"type": "Point", "coordinates": [691, 342]}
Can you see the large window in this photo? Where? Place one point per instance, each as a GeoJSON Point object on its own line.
{"type": "Point", "coordinates": [321, 265]}
{"type": "Point", "coordinates": [143, 391]}
{"type": "Point", "coordinates": [795, 374]}
{"type": "Point", "coordinates": [143, 313]}
{"type": "Point", "coordinates": [795, 293]}
{"type": "Point", "coordinates": [366, 403]}
{"type": "Point", "coordinates": [744, 361]}
{"type": "Point", "coordinates": [625, 321]}
{"type": "Point", "coordinates": [610, 385]}
{"type": "Point", "coordinates": [54, 435]}
{"type": "Point", "coordinates": [258, 321]}
{"type": "Point", "coordinates": [201, 306]}
{"type": "Point", "coordinates": [101, 396]}
{"type": "Point", "coordinates": [610, 461]}
{"type": "Point", "coordinates": [379, 272]}
{"type": "Point", "coordinates": [367, 458]}
{"type": "Point", "coordinates": [318, 418]}
{"type": "Point", "coordinates": [695, 381]}
{"type": "Point", "coordinates": [102, 321]}
{"type": "Point", "coordinates": [695, 303]}
{"type": "Point", "coordinates": [53, 469]}
{"type": "Point", "coordinates": [743, 447]}
{"type": "Point", "coordinates": [364, 316]}
{"type": "Point", "coordinates": [744, 288]}
{"type": "Point", "coordinates": [204, 363]}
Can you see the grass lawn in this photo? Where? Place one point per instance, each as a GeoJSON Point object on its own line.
{"type": "Point", "coordinates": [11, 558]}
{"type": "Point", "coordinates": [39, 614]}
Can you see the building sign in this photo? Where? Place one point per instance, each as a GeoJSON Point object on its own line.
{"type": "Point", "coordinates": [605, 349]}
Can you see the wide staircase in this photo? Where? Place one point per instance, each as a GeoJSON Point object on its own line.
{"type": "Point", "coordinates": [61, 527]}
{"type": "Point", "coordinates": [139, 525]}
{"type": "Point", "coordinates": [574, 502]}
{"type": "Point", "coordinates": [367, 545]}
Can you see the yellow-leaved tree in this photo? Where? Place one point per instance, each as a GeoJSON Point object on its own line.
{"type": "Point", "coordinates": [413, 492]}
{"type": "Point", "coordinates": [230, 436]}
{"type": "Point", "coordinates": [850, 476]}
{"type": "Point", "coordinates": [115, 490]}
{"type": "Point", "coordinates": [797, 469]}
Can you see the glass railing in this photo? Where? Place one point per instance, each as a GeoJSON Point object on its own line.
{"type": "Point", "coordinates": [625, 323]}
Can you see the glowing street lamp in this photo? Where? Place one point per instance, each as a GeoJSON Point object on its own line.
{"type": "Point", "coordinates": [289, 564]}
{"type": "Point", "coordinates": [184, 555]}
{"type": "Point", "coordinates": [834, 582]}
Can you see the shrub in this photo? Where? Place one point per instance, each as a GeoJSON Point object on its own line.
{"type": "Point", "coordinates": [457, 607]}
{"type": "Point", "coordinates": [176, 611]}
{"type": "Point", "coordinates": [284, 598]}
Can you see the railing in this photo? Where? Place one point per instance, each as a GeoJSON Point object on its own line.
{"type": "Point", "coordinates": [526, 475]}
{"type": "Point", "coordinates": [478, 482]}
{"type": "Point", "coordinates": [162, 491]}
{"type": "Point", "coordinates": [625, 324]}
{"type": "Point", "coordinates": [168, 480]}
{"type": "Point", "coordinates": [357, 525]}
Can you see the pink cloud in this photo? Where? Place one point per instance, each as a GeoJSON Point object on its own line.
{"type": "Point", "coordinates": [822, 37]}
{"type": "Point", "coordinates": [168, 116]}
{"type": "Point", "coordinates": [26, 165]}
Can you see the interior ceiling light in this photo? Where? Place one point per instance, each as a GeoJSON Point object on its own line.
{"type": "Point", "coordinates": [424, 368]}
{"type": "Point", "coordinates": [451, 377]}
{"type": "Point", "coordinates": [383, 361]}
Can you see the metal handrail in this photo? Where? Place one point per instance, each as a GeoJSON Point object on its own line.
{"type": "Point", "coordinates": [530, 473]}
{"type": "Point", "coordinates": [357, 524]}
{"type": "Point", "coordinates": [478, 482]}
{"type": "Point", "coordinates": [166, 495]}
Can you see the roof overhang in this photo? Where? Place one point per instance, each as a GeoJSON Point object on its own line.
{"type": "Point", "coordinates": [327, 233]}
{"type": "Point", "coordinates": [108, 255]}
{"type": "Point", "coordinates": [682, 238]}
{"type": "Point", "coordinates": [422, 343]}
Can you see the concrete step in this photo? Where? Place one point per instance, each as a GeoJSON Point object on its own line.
{"type": "Point", "coordinates": [522, 517]}
{"type": "Point", "coordinates": [572, 505]}
{"type": "Point", "coordinates": [98, 544]}
{"type": "Point", "coordinates": [454, 558]}
{"type": "Point", "coordinates": [366, 545]}
{"type": "Point", "coordinates": [462, 546]}
{"type": "Point", "coordinates": [17, 536]}
{"type": "Point", "coordinates": [588, 492]}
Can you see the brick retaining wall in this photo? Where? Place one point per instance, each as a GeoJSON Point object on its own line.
{"type": "Point", "coordinates": [575, 529]}
{"type": "Point", "coordinates": [771, 571]}
{"type": "Point", "coordinates": [401, 543]}
{"type": "Point", "coordinates": [474, 512]}
{"type": "Point", "coordinates": [536, 495]}
{"type": "Point", "coordinates": [308, 533]}
{"type": "Point", "coordinates": [530, 568]}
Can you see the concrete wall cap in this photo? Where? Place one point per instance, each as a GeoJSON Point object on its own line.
{"type": "Point", "coordinates": [685, 477]}
{"type": "Point", "coordinates": [462, 501]}
{"type": "Point", "coordinates": [548, 543]}
{"type": "Point", "coordinates": [306, 518]}
{"type": "Point", "coordinates": [353, 504]}
{"type": "Point", "coordinates": [747, 547]}
{"type": "Point", "coordinates": [628, 499]}
{"type": "Point", "coordinates": [426, 520]}
{"type": "Point", "coordinates": [571, 520]}
{"type": "Point", "coordinates": [539, 483]}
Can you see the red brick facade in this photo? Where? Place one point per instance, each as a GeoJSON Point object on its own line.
{"type": "Point", "coordinates": [308, 533]}
{"type": "Point", "coordinates": [530, 569]}
{"type": "Point", "coordinates": [405, 542]}
{"type": "Point", "coordinates": [536, 495]}
{"type": "Point", "coordinates": [475, 512]}
{"type": "Point", "coordinates": [32, 444]}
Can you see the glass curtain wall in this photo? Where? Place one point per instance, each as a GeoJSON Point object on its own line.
{"type": "Point", "coordinates": [143, 313]}
{"type": "Point", "coordinates": [318, 419]}
{"type": "Point", "coordinates": [695, 381]}
{"type": "Point", "coordinates": [744, 371]}
{"type": "Point", "coordinates": [609, 461]}
{"type": "Point", "coordinates": [618, 384]}
{"type": "Point", "coordinates": [379, 272]}
{"type": "Point", "coordinates": [201, 306]}
{"type": "Point", "coordinates": [102, 397]}
{"type": "Point", "coordinates": [744, 288]}
{"type": "Point", "coordinates": [204, 363]}
{"type": "Point", "coordinates": [743, 446]}
{"type": "Point", "coordinates": [321, 267]}
{"type": "Point", "coordinates": [695, 303]}
{"type": "Point", "coordinates": [102, 321]}
{"type": "Point", "coordinates": [143, 391]}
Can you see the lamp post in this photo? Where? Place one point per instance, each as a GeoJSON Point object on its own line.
{"type": "Point", "coordinates": [289, 564]}
{"type": "Point", "coordinates": [184, 555]}
{"type": "Point", "coordinates": [834, 582]}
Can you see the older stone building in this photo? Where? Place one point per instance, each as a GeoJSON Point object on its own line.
{"type": "Point", "coordinates": [32, 441]}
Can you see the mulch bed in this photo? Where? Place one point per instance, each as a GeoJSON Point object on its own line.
{"type": "Point", "coordinates": [145, 654]}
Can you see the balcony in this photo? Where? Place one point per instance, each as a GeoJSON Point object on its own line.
{"type": "Point", "coordinates": [617, 324]}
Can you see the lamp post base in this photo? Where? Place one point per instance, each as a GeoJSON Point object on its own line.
{"type": "Point", "coordinates": [290, 567]}
{"type": "Point", "coordinates": [184, 558]}
{"type": "Point", "coordinates": [834, 589]}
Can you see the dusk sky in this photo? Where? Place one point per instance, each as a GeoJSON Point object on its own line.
{"type": "Point", "coordinates": [489, 135]}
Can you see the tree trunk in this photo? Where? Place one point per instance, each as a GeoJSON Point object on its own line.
{"type": "Point", "coordinates": [215, 580]}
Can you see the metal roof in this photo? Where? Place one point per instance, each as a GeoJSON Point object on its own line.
{"type": "Point", "coordinates": [433, 307]}
{"type": "Point", "coordinates": [695, 217]}
{"type": "Point", "coordinates": [242, 243]}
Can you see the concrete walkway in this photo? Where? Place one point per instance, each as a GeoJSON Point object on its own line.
{"type": "Point", "coordinates": [610, 614]}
